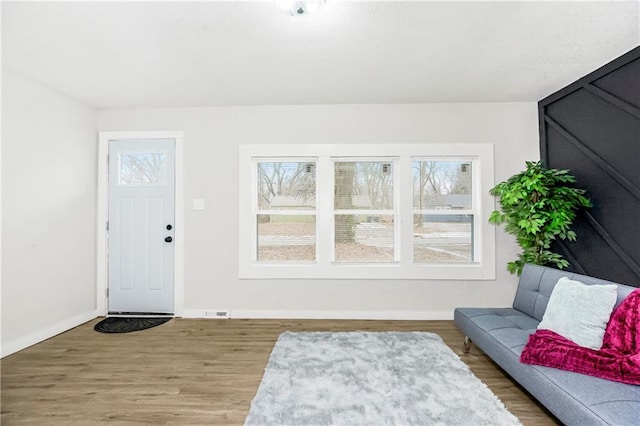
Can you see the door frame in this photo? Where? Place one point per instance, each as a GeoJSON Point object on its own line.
{"type": "Point", "coordinates": [102, 260]}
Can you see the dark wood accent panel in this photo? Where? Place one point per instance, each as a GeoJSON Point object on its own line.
{"type": "Point", "coordinates": [603, 129]}
{"type": "Point", "coordinates": [593, 249]}
{"type": "Point", "coordinates": [596, 159]}
{"type": "Point", "coordinates": [633, 110]}
{"type": "Point", "coordinates": [624, 84]}
{"type": "Point", "coordinates": [592, 127]}
{"type": "Point", "coordinates": [612, 209]}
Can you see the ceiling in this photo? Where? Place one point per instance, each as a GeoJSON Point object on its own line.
{"type": "Point", "coordinates": [182, 53]}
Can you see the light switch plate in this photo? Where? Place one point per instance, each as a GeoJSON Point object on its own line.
{"type": "Point", "coordinates": [198, 204]}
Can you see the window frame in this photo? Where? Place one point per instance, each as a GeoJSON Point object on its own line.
{"type": "Point", "coordinates": [481, 155]}
{"type": "Point", "coordinates": [473, 211]}
{"type": "Point", "coordinates": [256, 211]}
{"type": "Point", "coordinates": [395, 212]}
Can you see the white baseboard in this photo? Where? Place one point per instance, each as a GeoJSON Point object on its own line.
{"type": "Point", "coordinates": [345, 315]}
{"type": "Point", "coordinates": [31, 339]}
{"type": "Point", "coordinates": [206, 313]}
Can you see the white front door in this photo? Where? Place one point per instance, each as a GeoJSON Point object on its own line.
{"type": "Point", "coordinates": [141, 226]}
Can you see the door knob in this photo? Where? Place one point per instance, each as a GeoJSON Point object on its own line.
{"type": "Point", "coordinates": [169, 227]}
{"type": "Point", "coordinates": [168, 239]}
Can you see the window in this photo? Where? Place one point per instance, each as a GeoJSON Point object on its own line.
{"type": "Point", "coordinates": [286, 205]}
{"type": "Point", "coordinates": [364, 213]}
{"type": "Point", "coordinates": [443, 211]}
{"type": "Point", "coordinates": [384, 211]}
{"type": "Point", "coordinates": [143, 169]}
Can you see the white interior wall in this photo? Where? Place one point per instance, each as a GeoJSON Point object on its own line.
{"type": "Point", "coordinates": [49, 175]}
{"type": "Point", "coordinates": [212, 137]}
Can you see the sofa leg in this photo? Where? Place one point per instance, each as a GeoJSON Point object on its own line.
{"type": "Point", "coordinates": [467, 345]}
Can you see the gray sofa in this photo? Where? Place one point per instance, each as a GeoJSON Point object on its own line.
{"type": "Point", "coordinates": [501, 333]}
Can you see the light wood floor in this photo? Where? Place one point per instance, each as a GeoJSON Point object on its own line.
{"type": "Point", "coordinates": [186, 371]}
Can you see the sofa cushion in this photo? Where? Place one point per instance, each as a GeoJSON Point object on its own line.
{"type": "Point", "coordinates": [579, 312]}
{"type": "Point", "coordinates": [577, 399]}
{"type": "Point", "coordinates": [504, 327]}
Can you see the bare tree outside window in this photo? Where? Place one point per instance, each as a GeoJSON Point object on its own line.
{"type": "Point", "coordinates": [445, 235]}
{"type": "Point", "coordinates": [280, 179]}
{"type": "Point", "coordinates": [364, 211]}
{"type": "Point", "coordinates": [285, 188]}
{"type": "Point", "coordinates": [361, 190]}
{"type": "Point", "coordinates": [439, 178]}
{"type": "Point", "coordinates": [143, 168]}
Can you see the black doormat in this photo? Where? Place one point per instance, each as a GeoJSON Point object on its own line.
{"type": "Point", "coordinates": [127, 325]}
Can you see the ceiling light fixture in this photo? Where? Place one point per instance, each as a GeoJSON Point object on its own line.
{"type": "Point", "coordinates": [300, 8]}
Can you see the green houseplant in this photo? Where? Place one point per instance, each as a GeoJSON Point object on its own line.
{"type": "Point", "coordinates": [538, 206]}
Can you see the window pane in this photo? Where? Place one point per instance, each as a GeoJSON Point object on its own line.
{"type": "Point", "coordinates": [441, 185]}
{"type": "Point", "coordinates": [442, 238]}
{"type": "Point", "coordinates": [364, 185]}
{"type": "Point", "coordinates": [364, 238]}
{"type": "Point", "coordinates": [143, 168]}
{"type": "Point", "coordinates": [286, 238]}
{"type": "Point", "coordinates": [289, 186]}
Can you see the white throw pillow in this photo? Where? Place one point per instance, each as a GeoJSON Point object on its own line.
{"type": "Point", "coordinates": [580, 312]}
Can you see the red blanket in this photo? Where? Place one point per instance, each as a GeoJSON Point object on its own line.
{"type": "Point", "coordinates": [618, 359]}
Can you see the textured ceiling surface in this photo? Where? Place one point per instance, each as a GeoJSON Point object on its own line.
{"type": "Point", "coordinates": [172, 54]}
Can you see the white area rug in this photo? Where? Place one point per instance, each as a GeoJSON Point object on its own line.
{"type": "Point", "coordinates": [371, 378]}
